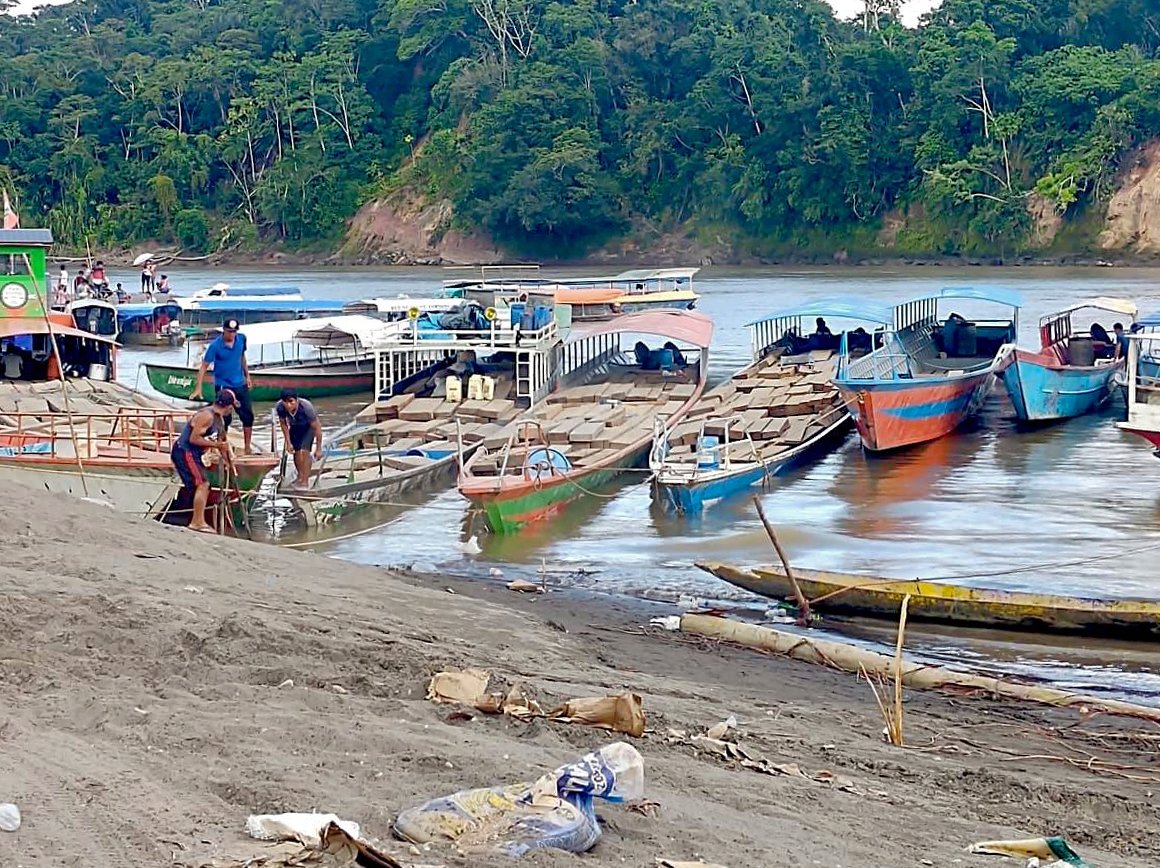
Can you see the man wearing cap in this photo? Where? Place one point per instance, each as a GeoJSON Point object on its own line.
{"type": "Point", "coordinates": [301, 430]}
{"type": "Point", "coordinates": [227, 354]}
{"type": "Point", "coordinates": [205, 430]}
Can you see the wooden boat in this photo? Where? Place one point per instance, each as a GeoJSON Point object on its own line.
{"type": "Point", "coordinates": [953, 604]}
{"type": "Point", "coordinates": [322, 357]}
{"type": "Point", "coordinates": [775, 413]}
{"type": "Point", "coordinates": [443, 392]}
{"type": "Point", "coordinates": [222, 291]}
{"type": "Point", "coordinates": [148, 324]}
{"type": "Point", "coordinates": [201, 317]}
{"type": "Point", "coordinates": [930, 375]}
{"type": "Point", "coordinates": [1143, 381]}
{"type": "Point", "coordinates": [63, 425]}
{"type": "Point", "coordinates": [95, 317]}
{"type": "Point", "coordinates": [589, 299]}
{"type": "Point", "coordinates": [1065, 377]}
{"type": "Point", "coordinates": [599, 424]}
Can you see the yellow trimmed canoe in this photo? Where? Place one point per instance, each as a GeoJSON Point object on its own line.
{"type": "Point", "coordinates": [842, 593]}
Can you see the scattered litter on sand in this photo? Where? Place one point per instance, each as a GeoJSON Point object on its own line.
{"type": "Point", "coordinates": [669, 863]}
{"type": "Point", "coordinates": [554, 812]}
{"type": "Point", "coordinates": [1037, 851]}
{"type": "Point", "coordinates": [305, 828]}
{"type": "Point", "coordinates": [335, 848]}
{"type": "Point", "coordinates": [623, 713]}
{"type": "Point", "coordinates": [9, 817]}
{"type": "Point", "coordinates": [523, 586]}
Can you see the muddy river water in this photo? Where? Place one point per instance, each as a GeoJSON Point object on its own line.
{"type": "Point", "coordinates": [1058, 509]}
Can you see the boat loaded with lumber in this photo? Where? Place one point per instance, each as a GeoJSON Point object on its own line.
{"type": "Point", "coordinates": [321, 357]}
{"type": "Point", "coordinates": [931, 374]}
{"type": "Point", "coordinates": [1072, 373]}
{"type": "Point", "coordinates": [64, 426]}
{"type": "Point", "coordinates": [599, 423]}
{"type": "Point", "coordinates": [776, 412]}
{"type": "Point", "coordinates": [868, 596]}
{"type": "Point", "coordinates": [446, 385]}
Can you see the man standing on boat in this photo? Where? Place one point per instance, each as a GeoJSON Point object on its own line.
{"type": "Point", "coordinates": [227, 354]}
{"type": "Point", "coordinates": [301, 431]}
{"type": "Point", "coordinates": [206, 429]}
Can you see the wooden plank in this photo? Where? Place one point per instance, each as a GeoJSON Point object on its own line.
{"type": "Point", "coordinates": [795, 432]}
{"type": "Point", "coordinates": [421, 409]}
{"type": "Point", "coordinates": [586, 432]}
{"type": "Point", "coordinates": [558, 432]}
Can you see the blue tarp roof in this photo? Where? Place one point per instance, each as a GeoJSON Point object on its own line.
{"type": "Point", "coordinates": [997, 294]}
{"type": "Point", "coordinates": [838, 306]}
{"type": "Point", "coordinates": [1149, 321]}
{"type": "Point", "coordinates": [127, 312]}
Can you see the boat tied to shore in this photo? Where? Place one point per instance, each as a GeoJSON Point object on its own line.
{"type": "Point", "coordinates": [445, 386]}
{"type": "Point", "coordinates": [319, 357]}
{"type": "Point", "coordinates": [65, 426]}
{"type": "Point", "coordinates": [1143, 382]}
{"type": "Point", "coordinates": [599, 423]}
{"type": "Point", "coordinates": [931, 374]}
{"type": "Point", "coordinates": [774, 413]}
{"type": "Point", "coordinates": [940, 602]}
{"type": "Point", "coordinates": [1072, 373]}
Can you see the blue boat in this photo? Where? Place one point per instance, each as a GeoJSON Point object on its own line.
{"type": "Point", "coordinates": [778, 412]}
{"type": "Point", "coordinates": [1072, 373]}
{"type": "Point", "coordinates": [203, 316]}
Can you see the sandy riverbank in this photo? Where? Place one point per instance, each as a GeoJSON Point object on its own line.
{"type": "Point", "coordinates": [141, 718]}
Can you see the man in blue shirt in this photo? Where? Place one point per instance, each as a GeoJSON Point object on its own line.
{"type": "Point", "coordinates": [1121, 341]}
{"type": "Point", "coordinates": [227, 354]}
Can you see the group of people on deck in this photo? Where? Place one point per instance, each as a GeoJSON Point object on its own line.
{"type": "Point", "coordinates": [207, 429]}
{"type": "Point", "coordinates": [94, 283]}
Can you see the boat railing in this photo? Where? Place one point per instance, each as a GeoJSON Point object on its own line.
{"type": "Point", "coordinates": [126, 433]}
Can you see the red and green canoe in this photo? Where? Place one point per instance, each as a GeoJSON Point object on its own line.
{"type": "Point", "coordinates": [310, 381]}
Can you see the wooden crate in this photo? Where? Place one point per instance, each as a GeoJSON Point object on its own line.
{"type": "Point", "coordinates": [422, 409]}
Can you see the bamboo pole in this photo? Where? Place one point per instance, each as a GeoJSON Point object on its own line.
{"type": "Point", "coordinates": [849, 658]}
{"type": "Point", "coordinates": [803, 603]}
{"type": "Point", "coordinates": [44, 308]}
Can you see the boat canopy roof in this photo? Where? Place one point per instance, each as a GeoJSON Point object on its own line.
{"type": "Point", "coordinates": [224, 290]}
{"type": "Point", "coordinates": [400, 304]}
{"type": "Point", "coordinates": [11, 327]}
{"type": "Point", "coordinates": [82, 303]}
{"type": "Point", "coordinates": [1149, 321]}
{"type": "Point", "coordinates": [334, 331]}
{"type": "Point", "coordinates": [996, 294]}
{"type": "Point", "coordinates": [679, 325]}
{"type": "Point", "coordinates": [226, 305]}
{"type": "Point", "coordinates": [1124, 306]}
{"type": "Point", "coordinates": [26, 237]}
{"type": "Point", "coordinates": [837, 306]}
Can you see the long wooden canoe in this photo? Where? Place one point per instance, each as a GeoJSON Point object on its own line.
{"type": "Point", "coordinates": [841, 593]}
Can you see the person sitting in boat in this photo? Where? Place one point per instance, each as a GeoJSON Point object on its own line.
{"type": "Point", "coordinates": [859, 340]}
{"type": "Point", "coordinates": [679, 360]}
{"type": "Point", "coordinates": [822, 338]}
{"type": "Point", "coordinates": [1102, 342]}
{"type": "Point", "coordinates": [81, 284]}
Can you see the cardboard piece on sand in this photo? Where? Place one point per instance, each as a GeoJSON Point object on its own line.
{"type": "Point", "coordinates": [622, 713]}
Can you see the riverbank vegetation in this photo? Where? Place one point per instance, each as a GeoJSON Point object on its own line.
{"type": "Point", "coordinates": [554, 127]}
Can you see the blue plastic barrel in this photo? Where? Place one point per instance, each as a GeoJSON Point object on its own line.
{"type": "Point", "coordinates": [543, 316]}
{"type": "Point", "coordinates": [517, 309]}
{"type": "Point", "coordinates": [528, 320]}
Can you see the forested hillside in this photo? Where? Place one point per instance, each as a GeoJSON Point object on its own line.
{"type": "Point", "coordinates": [554, 127]}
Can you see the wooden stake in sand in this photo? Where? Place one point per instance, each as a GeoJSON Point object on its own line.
{"type": "Point", "coordinates": [803, 603]}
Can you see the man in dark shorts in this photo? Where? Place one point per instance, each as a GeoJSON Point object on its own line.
{"type": "Point", "coordinates": [301, 432]}
{"type": "Point", "coordinates": [227, 354]}
{"type": "Point", "coordinates": [205, 430]}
